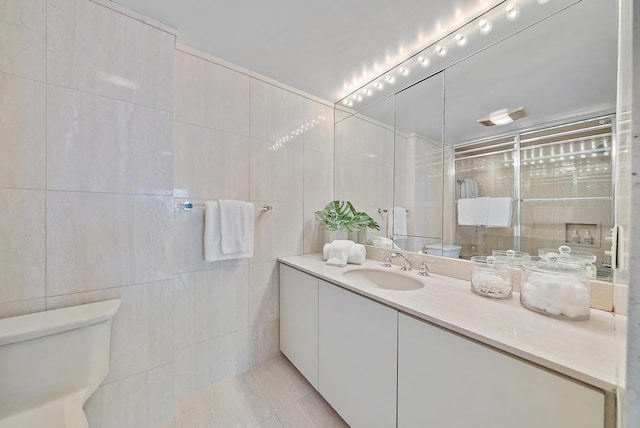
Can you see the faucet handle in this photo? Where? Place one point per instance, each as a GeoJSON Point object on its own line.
{"type": "Point", "coordinates": [423, 269]}
{"type": "Point", "coordinates": [386, 261]}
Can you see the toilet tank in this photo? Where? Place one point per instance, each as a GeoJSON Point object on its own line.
{"type": "Point", "coordinates": [47, 355]}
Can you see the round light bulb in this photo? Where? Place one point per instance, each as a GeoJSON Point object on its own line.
{"type": "Point", "coordinates": [404, 71]}
{"type": "Point", "coordinates": [378, 85]}
{"type": "Point", "coordinates": [461, 40]}
{"type": "Point", "coordinates": [368, 92]}
{"type": "Point", "coordinates": [441, 50]}
{"type": "Point", "coordinates": [485, 26]}
{"type": "Point", "coordinates": [389, 78]}
{"type": "Point", "coordinates": [513, 13]}
{"type": "Point", "coordinates": [424, 61]}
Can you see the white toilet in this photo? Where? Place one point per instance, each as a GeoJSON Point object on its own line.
{"type": "Point", "coordinates": [51, 362]}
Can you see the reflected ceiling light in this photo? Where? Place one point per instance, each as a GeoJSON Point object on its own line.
{"type": "Point", "coordinates": [358, 97]}
{"type": "Point", "coordinates": [423, 60]}
{"type": "Point", "coordinates": [513, 11]}
{"type": "Point", "coordinates": [543, 1]}
{"type": "Point", "coordinates": [404, 71]}
{"type": "Point", "coordinates": [389, 78]}
{"type": "Point", "coordinates": [503, 117]}
{"type": "Point", "coordinates": [368, 92]}
{"type": "Point", "coordinates": [345, 101]}
{"type": "Point", "coordinates": [441, 50]}
{"type": "Point", "coordinates": [461, 40]}
{"type": "Point", "coordinates": [378, 85]}
{"type": "Point", "coordinates": [485, 26]}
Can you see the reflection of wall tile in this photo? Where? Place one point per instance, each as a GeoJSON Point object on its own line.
{"type": "Point", "coordinates": [98, 240]}
{"type": "Point", "coordinates": [22, 264]}
{"type": "Point", "coordinates": [22, 131]}
{"type": "Point", "coordinates": [103, 145]}
{"type": "Point", "coordinates": [22, 38]}
{"type": "Point", "coordinates": [94, 49]}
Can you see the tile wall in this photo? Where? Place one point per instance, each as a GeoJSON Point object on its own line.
{"type": "Point", "coordinates": [104, 127]}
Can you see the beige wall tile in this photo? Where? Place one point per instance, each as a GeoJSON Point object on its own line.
{"type": "Point", "coordinates": [95, 49]}
{"type": "Point", "coordinates": [22, 130]}
{"type": "Point", "coordinates": [210, 303]}
{"type": "Point", "coordinates": [318, 133]}
{"type": "Point", "coordinates": [318, 192]}
{"type": "Point", "coordinates": [211, 361]}
{"type": "Point", "coordinates": [277, 172]}
{"type": "Point", "coordinates": [275, 112]}
{"type": "Point", "coordinates": [22, 248]}
{"type": "Point", "coordinates": [142, 401]}
{"type": "Point", "coordinates": [103, 145]}
{"type": "Point", "coordinates": [99, 240]}
{"type": "Point", "coordinates": [21, 307]}
{"type": "Point", "coordinates": [142, 331]}
{"type": "Point", "coordinates": [22, 38]}
{"type": "Point", "coordinates": [265, 342]}
{"type": "Point", "coordinates": [279, 232]}
{"type": "Point", "coordinates": [210, 95]}
{"type": "Point", "coordinates": [264, 293]}
{"type": "Point", "coordinates": [210, 164]}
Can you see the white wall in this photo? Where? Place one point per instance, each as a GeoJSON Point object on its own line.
{"type": "Point", "coordinates": [104, 126]}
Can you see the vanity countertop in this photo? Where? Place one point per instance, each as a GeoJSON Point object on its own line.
{"type": "Point", "coordinates": [590, 351]}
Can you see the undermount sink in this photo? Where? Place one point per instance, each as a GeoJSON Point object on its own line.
{"type": "Point", "coordinates": [384, 279]}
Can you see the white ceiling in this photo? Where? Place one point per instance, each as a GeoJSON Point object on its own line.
{"type": "Point", "coordinates": [325, 48]}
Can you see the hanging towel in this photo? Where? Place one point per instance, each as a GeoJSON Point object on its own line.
{"type": "Point", "coordinates": [236, 227]}
{"type": "Point", "coordinates": [472, 188]}
{"type": "Point", "coordinates": [212, 238]}
{"type": "Point", "coordinates": [399, 221]}
{"type": "Point", "coordinates": [463, 189]}
{"type": "Point", "coordinates": [499, 214]}
{"type": "Point", "coordinates": [481, 214]}
{"type": "Point", "coordinates": [466, 212]}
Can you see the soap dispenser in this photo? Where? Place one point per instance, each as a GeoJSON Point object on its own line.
{"type": "Point", "coordinates": [587, 239]}
{"type": "Point", "coordinates": [575, 239]}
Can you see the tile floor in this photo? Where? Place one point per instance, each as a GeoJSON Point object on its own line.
{"type": "Point", "coordinates": [273, 395]}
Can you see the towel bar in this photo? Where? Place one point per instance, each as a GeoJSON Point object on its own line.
{"type": "Point", "coordinates": [188, 206]}
{"type": "Point", "coordinates": [384, 210]}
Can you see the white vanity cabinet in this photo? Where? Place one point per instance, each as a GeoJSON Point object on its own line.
{"type": "Point", "coordinates": [299, 321]}
{"type": "Point", "coordinates": [447, 381]}
{"type": "Point", "coordinates": [358, 357]}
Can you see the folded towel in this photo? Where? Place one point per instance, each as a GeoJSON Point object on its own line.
{"type": "Point", "coordinates": [236, 227]}
{"type": "Point", "coordinates": [499, 214]}
{"type": "Point", "coordinates": [212, 239]}
{"type": "Point", "coordinates": [339, 252]}
{"type": "Point", "coordinates": [357, 253]}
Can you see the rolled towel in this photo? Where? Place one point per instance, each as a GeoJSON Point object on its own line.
{"type": "Point", "coordinates": [357, 253]}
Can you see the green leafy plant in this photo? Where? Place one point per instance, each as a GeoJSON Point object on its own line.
{"type": "Point", "coordinates": [342, 216]}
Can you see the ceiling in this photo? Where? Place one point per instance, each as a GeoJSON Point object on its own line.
{"type": "Point", "coordinates": [326, 48]}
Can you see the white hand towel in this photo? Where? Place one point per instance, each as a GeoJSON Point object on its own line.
{"type": "Point", "coordinates": [499, 212]}
{"type": "Point", "coordinates": [466, 212]}
{"type": "Point", "coordinates": [399, 221]}
{"type": "Point", "coordinates": [212, 238]}
{"type": "Point", "coordinates": [339, 252]}
{"type": "Point", "coordinates": [474, 188]}
{"type": "Point", "coordinates": [236, 227]}
{"type": "Point", "coordinates": [481, 214]}
{"type": "Point", "coordinates": [357, 253]}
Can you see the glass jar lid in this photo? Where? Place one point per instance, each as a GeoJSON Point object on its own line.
{"type": "Point", "coordinates": [490, 262]}
{"type": "Point", "coordinates": [553, 263]}
{"type": "Point", "coordinates": [566, 252]}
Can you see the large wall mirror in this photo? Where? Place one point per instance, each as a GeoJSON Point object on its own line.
{"type": "Point", "coordinates": [422, 148]}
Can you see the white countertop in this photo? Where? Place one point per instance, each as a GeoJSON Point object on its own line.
{"type": "Point", "coordinates": [590, 351]}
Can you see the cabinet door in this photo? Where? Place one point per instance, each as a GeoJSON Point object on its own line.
{"type": "Point", "coordinates": [299, 321]}
{"type": "Point", "coordinates": [358, 357]}
{"type": "Point", "coordinates": [445, 381]}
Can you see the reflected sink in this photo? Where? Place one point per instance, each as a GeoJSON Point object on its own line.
{"type": "Point", "coordinates": [384, 279]}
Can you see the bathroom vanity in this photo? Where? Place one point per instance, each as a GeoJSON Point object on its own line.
{"type": "Point", "coordinates": [438, 355]}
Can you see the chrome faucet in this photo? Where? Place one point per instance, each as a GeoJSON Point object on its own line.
{"type": "Point", "coordinates": [423, 270]}
{"type": "Point", "coordinates": [386, 261]}
{"type": "Point", "coordinates": [406, 265]}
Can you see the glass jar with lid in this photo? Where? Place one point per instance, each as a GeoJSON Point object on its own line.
{"type": "Point", "coordinates": [490, 278]}
{"type": "Point", "coordinates": [557, 287]}
{"type": "Point", "coordinates": [511, 257]}
{"type": "Point", "coordinates": [566, 253]}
